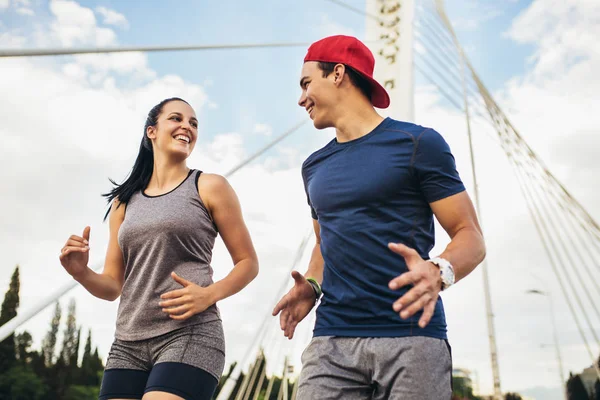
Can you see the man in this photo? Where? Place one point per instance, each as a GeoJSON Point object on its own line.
{"type": "Point", "coordinates": [380, 331]}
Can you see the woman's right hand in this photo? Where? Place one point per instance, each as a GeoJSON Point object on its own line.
{"type": "Point", "coordinates": [74, 256]}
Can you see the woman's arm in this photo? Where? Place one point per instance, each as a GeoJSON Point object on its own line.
{"type": "Point", "coordinates": [224, 206]}
{"type": "Point", "coordinates": [75, 256]}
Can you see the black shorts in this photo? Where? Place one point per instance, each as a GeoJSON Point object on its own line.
{"type": "Point", "coordinates": [187, 381]}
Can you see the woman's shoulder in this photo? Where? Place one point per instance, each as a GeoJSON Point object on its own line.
{"type": "Point", "coordinates": [212, 184]}
{"type": "Point", "coordinates": [211, 181]}
{"type": "Point", "coordinates": [117, 210]}
{"type": "Point", "coordinates": [214, 189]}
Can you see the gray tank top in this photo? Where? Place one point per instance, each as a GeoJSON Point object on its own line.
{"type": "Point", "coordinates": [170, 232]}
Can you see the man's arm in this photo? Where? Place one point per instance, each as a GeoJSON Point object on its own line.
{"type": "Point", "coordinates": [315, 265]}
{"type": "Point", "coordinates": [466, 249]}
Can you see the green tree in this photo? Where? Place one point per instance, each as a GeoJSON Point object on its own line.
{"type": "Point", "coordinates": [597, 384]}
{"type": "Point", "coordinates": [575, 388]}
{"type": "Point", "coordinates": [37, 363]}
{"type": "Point", "coordinates": [21, 383]}
{"type": "Point", "coordinates": [78, 392]}
{"type": "Point", "coordinates": [462, 389]}
{"type": "Point", "coordinates": [69, 354]}
{"type": "Point", "coordinates": [223, 379]}
{"type": "Point", "coordinates": [49, 342]}
{"type": "Point", "coordinates": [23, 342]}
{"type": "Point", "coordinates": [59, 379]}
{"type": "Point", "coordinates": [97, 363]}
{"type": "Point", "coordinates": [8, 312]}
{"type": "Point", "coordinates": [65, 370]}
{"type": "Point", "coordinates": [88, 373]}
{"type": "Point", "coordinates": [70, 349]}
{"type": "Point", "coordinates": [512, 396]}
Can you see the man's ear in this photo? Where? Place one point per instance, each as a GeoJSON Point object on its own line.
{"type": "Point", "coordinates": [339, 72]}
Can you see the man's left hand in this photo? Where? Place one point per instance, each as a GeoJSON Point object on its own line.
{"type": "Point", "coordinates": [427, 284]}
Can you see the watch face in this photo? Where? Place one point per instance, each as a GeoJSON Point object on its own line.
{"type": "Point", "coordinates": [446, 271]}
{"type": "Point", "coordinates": [447, 275]}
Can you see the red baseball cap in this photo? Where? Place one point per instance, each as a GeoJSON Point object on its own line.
{"type": "Point", "coordinates": [352, 52]}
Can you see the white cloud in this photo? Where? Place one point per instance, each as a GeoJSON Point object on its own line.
{"type": "Point", "coordinates": [564, 34]}
{"type": "Point", "coordinates": [77, 25]}
{"type": "Point", "coordinates": [263, 129]}
{"type": "Point", "coordinates": [25, 11]}
{"type": "Point", "coordinates": [74, 25]}
{"type": "Point", "coordinates": [112, 17]}
{"type": "Point", "coordinates": [12, 41]}
{"type": "Point", "coordinates": [226, 150]}
{"type": "Point", "coordinates": [476, 13]}
{"type": "Point", "coordinates": [23, 7]}
{"type": "Point", "coordinates": [4, 4]}
{"type": "Point", "coordinates": [121, 63]}
{"type": "Point", "coordinates": [75, 72]}
{"type": "Point", "coordinates": [562, 81]}
{"type": "Point", "coordinates": [327, 27]}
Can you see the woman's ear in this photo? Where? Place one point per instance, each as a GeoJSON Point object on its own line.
{"type": "Point", "coordinates": [151, 132]}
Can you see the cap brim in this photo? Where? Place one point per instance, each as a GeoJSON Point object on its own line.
{"type": "Point", "coordinates": [379, 96]}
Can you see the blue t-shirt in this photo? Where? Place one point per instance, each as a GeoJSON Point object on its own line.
{"type": "Point", "coordinates": [366, 193]}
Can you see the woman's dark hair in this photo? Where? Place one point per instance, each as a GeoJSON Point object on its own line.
{"type": "Point", "coordinates": [141, 172]}
{"type": "Point", "coordinates": [357, 79]}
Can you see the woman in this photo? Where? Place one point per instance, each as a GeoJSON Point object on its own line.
{"type": "Point", "coordinates": [163, 220]}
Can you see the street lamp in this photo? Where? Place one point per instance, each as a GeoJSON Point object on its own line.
{"type": "Point", "coordinates": [560, 367]}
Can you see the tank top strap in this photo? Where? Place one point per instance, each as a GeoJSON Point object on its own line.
{"type": "Point", "coordinates": [197, 174]}
{"type": "Point", "coordinates": [190, 184]}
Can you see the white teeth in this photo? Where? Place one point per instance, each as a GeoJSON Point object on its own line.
{"type": "Point", "coordinates": [183, 137]}
{"type": "Point", "coordinates": [310, 110]}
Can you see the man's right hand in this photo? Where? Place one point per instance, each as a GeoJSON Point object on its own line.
{"type": "Point", "coordinates": [295, 305]}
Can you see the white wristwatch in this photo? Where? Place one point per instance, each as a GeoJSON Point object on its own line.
{"type": "Point", "coordinates": [446, 271]}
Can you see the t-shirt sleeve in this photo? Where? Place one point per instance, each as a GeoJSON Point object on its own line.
{"type": "Point", "coordinates": [313, 213]}
{"type": "Point", "coordinates": [435, 167]}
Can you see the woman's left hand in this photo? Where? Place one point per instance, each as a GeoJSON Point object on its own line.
{"type": "Point", "coordinates": [192, 299]}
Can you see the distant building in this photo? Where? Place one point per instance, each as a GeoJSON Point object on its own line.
{"type": "Point", "coordinates": [463, 373]}
{"type": "Point", "coordinates": [471, 378]}
{"type": "Point", "coordinates": [589, 378]}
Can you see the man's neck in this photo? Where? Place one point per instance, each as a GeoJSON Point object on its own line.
{"type": "Point", "coordinates": [356, 122]}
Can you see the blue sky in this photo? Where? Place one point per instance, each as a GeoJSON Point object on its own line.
{"type": "Point", "coordinates": [70, 122]}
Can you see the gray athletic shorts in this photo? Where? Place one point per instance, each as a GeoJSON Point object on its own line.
{"type": "Point", "coordinates": [350, 368]}
{"type": "Point", "coordinates": [201, 346]}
